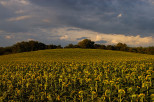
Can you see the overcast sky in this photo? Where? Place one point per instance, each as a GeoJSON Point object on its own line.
{"type": "Point", "coordinates": [69, 21]}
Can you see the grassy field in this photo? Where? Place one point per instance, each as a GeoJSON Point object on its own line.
{"type": "Point", "coordinates": [76, 75]}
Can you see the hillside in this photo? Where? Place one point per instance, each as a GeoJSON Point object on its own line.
{"type": "Point", "coordinates": [74, 75]}
{"type": "Point", "coordinates": [77, 55]}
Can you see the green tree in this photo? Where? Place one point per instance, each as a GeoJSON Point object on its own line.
{"type": "Point", "coordinates": [86, 43]}
{"type": "Point", "coordinates": [69, 46]}
{"type": "Point", "coordinates": [150, 50]}
{"type": "Point", "coordinates": [121, 47]}
{"type": "Point", "coordinates": [110, 47]}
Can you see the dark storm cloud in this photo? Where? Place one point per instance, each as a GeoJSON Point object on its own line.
{"type": "Point", "coordinates": [5, 14]}
{"type": "Point", "coordinates": [126, 17]}
{"type": "Point", "coordinates": [10, 19]}
{"type": "Point", "coordinates": [102, 15]}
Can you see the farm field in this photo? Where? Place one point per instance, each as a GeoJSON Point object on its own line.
{"type": "Point", "coordinates": [76, 75]}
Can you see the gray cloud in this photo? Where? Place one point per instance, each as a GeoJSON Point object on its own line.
{"type": "Point", "coordinates": [40, 17]}
{"type": "Point", "coordinates": [100, 42]}
{"type": "Point", "coordinates": [82, 38]}
{"type": "Point", "coordinates": [101, 15]}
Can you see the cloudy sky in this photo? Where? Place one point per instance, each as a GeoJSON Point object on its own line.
{"type": "Point", "coordinates": [69, 21]}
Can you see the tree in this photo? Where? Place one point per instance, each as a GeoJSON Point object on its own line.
{"type": "Point", "coordinates": [110, 47]}
{"type": "Point", "coordinates": [140, 50]}
{"type": "Point", "coordinates": [121, 47]}
{"type": "Point", "coordinates": [59, 47]}
{"type": "Point", "coordinates": [86, 43]}
{"type": "Point", "coordinates": [28, 46]}
{"type": "Point", "coordinates": [97, 46]}
{"type": "Point", "coordinates": [103, 47]}
{"type": "Point", "coordinates": [76, 46]}
{"type": "Point", "coordinates": [2, 50]}
{"type": "Point", "coordinates": [69, 46]}
{"type": "Point", "coordinates": [51, 46]}
{"type": "Point", "coordinates": [150, 50]}
{"type": "Point", "coordinates": [133, 49]}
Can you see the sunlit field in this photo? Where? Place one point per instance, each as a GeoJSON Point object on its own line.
{"type": "Point", "coordinates": [76, 75]}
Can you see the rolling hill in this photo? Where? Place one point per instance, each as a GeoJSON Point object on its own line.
{"type": "Point", "coordinates": [76, 75]}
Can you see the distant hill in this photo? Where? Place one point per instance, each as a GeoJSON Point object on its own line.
{"type": "Point", "coordinates": [77, 54]}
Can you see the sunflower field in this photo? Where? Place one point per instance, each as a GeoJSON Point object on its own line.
{"type": "Point", "coordinates": [77, 75]}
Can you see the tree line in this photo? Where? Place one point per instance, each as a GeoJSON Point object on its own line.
{"type": "Point", "coordinates": [26, 47]}
{"type": "Point", "coordinates": [86, 43]}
